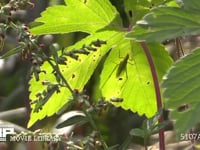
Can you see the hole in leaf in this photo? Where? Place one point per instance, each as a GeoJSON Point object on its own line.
{"type": "Point", "coordinates": [120, 78]}
{"type": "Point", "coordinates": [73, 76]}
{"type": "Point", "coordinates": [183, 108]}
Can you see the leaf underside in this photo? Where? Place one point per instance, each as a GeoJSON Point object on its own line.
{"type": "Point", "coordinates": [181, 88]}
{"type": "Point", "coordinates": [164, 23]}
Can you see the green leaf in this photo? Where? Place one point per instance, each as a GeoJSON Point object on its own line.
{"type": "Point", "coordinates": [79, 72]}
{"type": "Point", "coordinates": [76, 72]}
{"type": "Point", "coordinates": [13, 51]}
{"type": "Point", "coordinates": [134, 85]}
{"type": "Point", "coordinates": [137, 9]}
{"type": "Point", "coordinates": [138, 132]}
{"type": "Point", "coordinates": [181, 88]}
{"type": "Point", "coordinates": [165, 23]}
{"type": "Point", "coordinates": [71, 118]}
{"type": "Point", "coordinates": [77, 16]}
{"type": "Point", "coordinates": [192, 5]}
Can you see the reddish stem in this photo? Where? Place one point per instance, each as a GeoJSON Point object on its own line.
{"type": "Point", "coordinates": [157, 91]}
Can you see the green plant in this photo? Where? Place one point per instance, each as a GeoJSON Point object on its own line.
{"type": "Point", "coordinates": [106, 27]}
{"type": "Point", "coordinates": [129, 70]}
{"type": "Point", "coordinates": [180, 84]}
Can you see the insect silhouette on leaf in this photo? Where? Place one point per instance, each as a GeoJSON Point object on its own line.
{"type": "Point", "coordinates": [98, 43]}
{"type": "Point", "coordinates": [116, 99]}
{"type": "Point", "coordinates": [71, 54]}
{"type": "Point", "coordinates": [46, 95]}
{"type": "Point", "coordinates": [122, 66]}
{"type": "Point", "coordinates": [180, 51]}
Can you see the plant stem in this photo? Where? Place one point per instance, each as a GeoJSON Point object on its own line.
{"type": "Point", "coordinates": [157, 91]}
{"type": "Point", "coordinates": [56, 67]}
{"type": "Point", "coordinates": [94, 126]}
{"type": "Point", "coordinates": [145, 143]}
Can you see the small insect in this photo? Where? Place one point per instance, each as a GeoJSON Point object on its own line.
{"type": "Point", "coordinates": [98, 43]}
{"type": "Point", "coordinates": [179, 47]}
{"type": "Point", "coordinates": [40, 103]}
{"type": "Point", "coordinates": [1, 42]}
{"type": "Point", "coordinates": [81, 51]}
{"type": "Point", "coordinates": [122, 66]}
{"type": "Point", "coordinates": [116, 99]}
{"type": "Point", "coordinates": [71, 54]}
{"type": "Point", "coordinates": [62, 60]}
{"type": "Point", "coordinates": [46, 82]}
{"type": "Point", "coordinates": [90, 48]}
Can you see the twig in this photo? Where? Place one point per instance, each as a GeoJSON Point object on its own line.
{"type": "Point", "coordinates": [59, 73]}
{"type": "Point", "coordinates": [13, 114]}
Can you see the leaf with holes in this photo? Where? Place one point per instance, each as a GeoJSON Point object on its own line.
{"type": "Point", "coordinates": [133, 85]}
{"type": "Point", "coordinates": [181, 89]}
{"type": "Point", "coordinates": [136, 9]}
{"type": "Point", "coordinates": [76, 72]}
{"type": "Point", "coordinates": [77, 16]}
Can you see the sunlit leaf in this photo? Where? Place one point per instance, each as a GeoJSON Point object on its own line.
{"type": "Point", "coordinates": [76, 72]}
{"type": "Point", "coordinates": [134, 84]}
{"type": "Point", "coordinates": [77, 16]}
{"type": "Point", "coordinates": [126, 77]}
{"type": "Point", "coordinates": [136, 9]}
